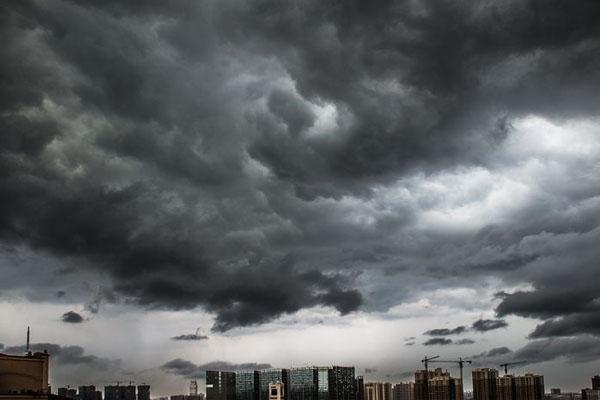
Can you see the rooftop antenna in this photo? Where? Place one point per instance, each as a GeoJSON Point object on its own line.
{"type": "Point", "coordinates": [28, 352]}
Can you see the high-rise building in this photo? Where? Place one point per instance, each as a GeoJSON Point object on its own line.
{"type": "Point", "coordinates": [341, 383]}
{"type": "Point", "coordinates": [247, 385]}
{"type": "Point", "coordinates": [88, 393]}
{"type": "Point", "coordinates": [68, 392]}
{"type": "Point", "coordinates": [422, 384]}
{"type": "Point", "coordinates": [590, 394]}
{"type": "Point", "coordinates": [443, 387]}
{"type": "Point", "coordinates": [404, 391]}
{"type": "Point", "coordinates": [143, 392]}
{"type": "Point", "coordinates": [271, 375]}
{"type": "Point", "coordinates": [387, 391]}
{"type": "Point", "coordinates": [596, 382]}
{"type": "Point", "coordinates": [220, 385]}
{"type": "Point", "coordinates": [360, 388]}
{"type": "Point", "coordinates": [505, 388]}
{"type": "Point", "coordinates": [484, 383]}
{"type": "Point", "coordinates": [529, 387]}
{"type": "Point", "coordinates": [118, 392]}
{"type": "Point", "coordinates": [303, 383]}
{"type": "Point", "coordinates": [373, 391]}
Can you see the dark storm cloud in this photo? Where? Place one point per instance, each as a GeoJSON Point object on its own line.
{"type": "Point", "coordinates": [484, 325]}
{"type": "Point", "coordinates": [446, 331]}
{"type": "Point", "coordinates": [170, 147]}
{"type": "Point", "coordinates": [72, 317]}
{"type": "Point", "coordinates": [189, 370]}
{"type": "Point", "coordinates": [437, 341]}
{"type": "Point", "coordinates": [465, 341]}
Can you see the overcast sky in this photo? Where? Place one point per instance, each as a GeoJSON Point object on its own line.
{"type": "Point", "coordinates": [223, 184]}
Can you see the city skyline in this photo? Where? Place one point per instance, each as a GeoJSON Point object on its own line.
{"type": "Point", "coordinates": [195, 185]}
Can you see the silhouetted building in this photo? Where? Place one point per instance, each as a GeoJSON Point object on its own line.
{"type": "Point", "coordinates": [247, 385]}
{"type": "Point", "coordinates": [118, 392]}
{"type": "Point", "coordinates": [143, 392]}
{"type": "Point", "coordinates": [360, 388]}
{"type": "Point", "coordinates": [220, 385]}
{"type": "Point", "coordinates": [403, 391]}
{"type": "Point", "coordinates": [68, 392]}
{"type": "Point", "coordinates": [422, 385]}
{"type": "Point", "coordinates": [341, 383]}
{"type": "Point", "coordinates": [89, 393]}
{"type": "Point", "coordinates": [485, 383]}
{"type": "Point", "coordinates": [269, 376]}
{"type": "Point", "coordinates": [555, 391]}
{"type": "Point", "coordinates": [596, 382]}
{"type": "Point", "coordinates": [24, 374]}
{"type": "Point", "coordinates": [590, 394]}
{"type": "Point", "coordinates": [529, 387]}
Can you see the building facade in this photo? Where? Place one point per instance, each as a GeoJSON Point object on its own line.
{"type": "Point", "coordinates": [360, 388]}
{"type": "Point", "coordinates": [220, 385]}
{"type": "Point", "coordinates": [247, 385]}
{"type": "Point", "coordinates": [269, 376]}
{"type": "Point", "coordinates": [403, 391]}
{"type": "Point", "coordinates": [529, 387]}
{"type": "Point", "coordinates": [422, 384]}
{"type": "Point", "coordinates": [24, 374]}
{"type": "Point", "coordinates": [341, 383]}
{"type": "Point", "coordinates": [485, 383]}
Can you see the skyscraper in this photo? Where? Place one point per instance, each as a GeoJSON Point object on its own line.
{"type": "Point", "coordinates": [360, 388]}
{"type": "Point", "coordinates": [484, 383]}
{"type": "Point", "coordinates": [271, 375]}
{"type": "Point", "coordinates": [505, 388]}
{"type": "Point", "coordinates": [220, 385]}
{"type": "Point", "coordinates": [303, 383]}
{"type": "Point", "coordinates": [341, 383]}
{"type": "Point", "coordinates": [247, 385]}
{"type": "Point", "coordinates": [441, 386]}
{"type": "Point", "coordinates": [596, 382]}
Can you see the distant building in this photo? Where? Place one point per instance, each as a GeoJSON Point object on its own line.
{"type": "Point", "coordinates": [341, 383]}
{"type": "Point", "coordinates": [360, 388]}
{"type": "Point", "coordinates": [596, 382]}
{"type": "Point", "coordinates": [443, 387]}
{"type": "Point", "coordinates": [373, 391]}
{"type": "Point", "coordinates": [276, 391]}
{"type": "Point", "coordinates": [247, 385]}
{"type": "Point", "coordinates": [529, 387]}
{"type": "Point", "coordinates": [590, 394]}
{"type": "Point", "coordinates": [143, 392]}
{"type": "Point", "coordinates": [89, 393]}
{"type": "Point", "coordinates": [403, 391]}
{"type": "Point", "coordinates": [267, 377]}
{"type": "Point", "coordinates": [68, 392]}
{"type": "Point", "coordinates": [193, 387]}
{"type": "Point", "coordinates": [387, 391]}
{"type": "Point", "coordinates": [555, 391]}
{"type": "Point", "coordinates": [118, 392]}
{"type": "Point", "coordinates": [303, 384]}
{"type": "Point", "coordinates": [485, 383]}
{"type": "Point", "coordinates": [422, 384]}
{"type": "Point", "coordinates": [505, 388]}
{"type": "Point", "coordinates": [220, 385]}
{"type": "Point", "coordinates": [24, 374]}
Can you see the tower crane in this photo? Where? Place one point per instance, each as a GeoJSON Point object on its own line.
{"type": "Point", "coordinates": [460, 363]}
{"type": "Point", "coordinates": [506, 365]}
{"type": "Point", "coordinates": [426, 361]}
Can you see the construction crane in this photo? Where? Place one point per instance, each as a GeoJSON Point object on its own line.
{"type": "Point", "coordinates": [426, 361]}
{"type": "Point", "coordinates": [460, 363]}
{"type": "Point", "coordinates": [506, 365]}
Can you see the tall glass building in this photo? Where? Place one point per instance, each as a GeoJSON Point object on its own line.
{"type": "Point", "coordinates": [247, 385]}
{"type": "Point", "coordinates": [341, 383]}
{"type": "Point", "coordinates": [272, 375]}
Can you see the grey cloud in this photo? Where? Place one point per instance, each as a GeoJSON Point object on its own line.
{"type": "Point", "coordinates": [437, 341]}
{"type": "Point", "coordinates": [185, 171]}
{"type": "Point", "coordinates": [370, 370]}
{"type": "Point", "coordinates": [465, 341]}
{"type": "Point", "coordinates": [190, 370]}
{"type": "Point", "coordinates": [67, 355]}
{"type": "Point", "coordinates": [446, 331]}
{"type": "Point", "coordinates": [484, 325]}
{"type": "Point", "coordinates": [72, 317]}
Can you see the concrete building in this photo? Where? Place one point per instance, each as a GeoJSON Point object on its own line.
{"type": "Point", "coordinates": [373, 391]}
{"type": "Point", "coordinates": [24, 374]}
{"type": "Point", "coordinates": [505, 388]}
{"type": "Point", "coordinates": [485, 382]}
{"type": "Point", "coordinates": [444, 387]}
{"type": "Point", "coordinates": [529, 387]}
{"type": "Point", "coordinates": [403, 391]}
{"type": "Point", "coordinates": [276, 391]}
{"type": "Point", "coordinates": [422, 384]}
{"type": "Point", "coordinates": [220, 385]}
